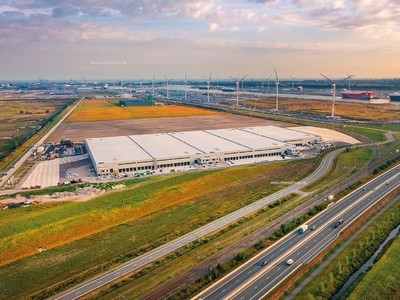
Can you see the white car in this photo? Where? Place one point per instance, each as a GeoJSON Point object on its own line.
{"type": "Point", "coordinates": [290, 262]}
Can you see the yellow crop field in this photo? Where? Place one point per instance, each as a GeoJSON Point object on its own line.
{"type": "Point", "coordinates": [108, 110]}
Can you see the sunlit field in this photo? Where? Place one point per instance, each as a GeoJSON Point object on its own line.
{"type": "Point", "coordinates": [108, 110]}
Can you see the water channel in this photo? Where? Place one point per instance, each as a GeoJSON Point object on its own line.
{"type": "Point", "coordinates": [365, 266]}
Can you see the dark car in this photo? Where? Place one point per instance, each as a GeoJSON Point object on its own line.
{"type": "Point", "coordinates": [338, 223]}
{"type": "Point", "coordinates": [264, 263]}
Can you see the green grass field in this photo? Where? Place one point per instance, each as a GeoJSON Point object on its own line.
{"type": "Point", "coordinates": [382, 281]}
{"type": "Point", "coordinates": [113, 228]}
{"type": "Point", "coordinates": [374, 135]}
{"type": "Point", "coordinates": [345, 165]}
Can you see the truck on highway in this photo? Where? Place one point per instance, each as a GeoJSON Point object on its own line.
{"type": "Point", "coordinates": [303, 228]}
{"type": "Point", "coordinates": [338, 223]}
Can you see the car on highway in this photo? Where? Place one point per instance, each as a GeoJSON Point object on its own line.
{"type": "Point", "coordinates": [290, 262]}
{"type": "Point", "coordinates": [338, 223]}
{"type": "Point", "coordinates": [312, 228]}
{"type": "Point", "coordinates": [264, 263]}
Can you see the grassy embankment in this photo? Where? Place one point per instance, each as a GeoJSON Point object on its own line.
{"type": "Point", "coordinates": [343, 166]}
{"type": "Point", "coordinates": [371, 133]}
{"type": "Point", "coordinates": [107, 110]}
{"type": "Point", "coordinates": [110, 229]}
{"type": "Point", "coordinates": [382, 280]}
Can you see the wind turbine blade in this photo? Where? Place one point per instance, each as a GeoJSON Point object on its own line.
{"type": "Point", "coordinates": [276, 75]}
{"type": "Point", "coordinates": [209, 78]}
{"type": "Point", "coordinates": [346, 78]}
{"type": "Point", "coordinates": [243, 78]}
{"type": "Point", "coordinates": [234, 79]}
{"type": "Point", "coordinates": [165, 77]}
{"type": "Point", "coordinates": [326, 78]}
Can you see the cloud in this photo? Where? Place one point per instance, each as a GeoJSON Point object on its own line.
{"type": "Point", "coordinates": [213, 27]}
{"type": "Point", "coordinates": [64, 11]}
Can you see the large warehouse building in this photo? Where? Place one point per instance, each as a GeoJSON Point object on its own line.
{"type": "Point", "coordinates": [136, 154]}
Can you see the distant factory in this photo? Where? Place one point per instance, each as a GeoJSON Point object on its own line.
{"type": "Point", "coordinates": [137, 102]}
{"type": "Point", "coordinates": [136, 155]}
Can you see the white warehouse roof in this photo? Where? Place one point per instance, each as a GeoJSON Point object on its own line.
{"type": "Point", "coordinates": [152, 147]}
{"type": "Point", "coordinates": [115, 150]}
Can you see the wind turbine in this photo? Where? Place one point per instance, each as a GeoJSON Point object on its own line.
{"type": "Point", "coordinates": [208, 87]}
{"type": "Point", "coordinates": [152, 84]}
{"type": "Point", "coordinates": [334, 92]}
{"type": "Point", "coordinates": [140, 83]}
{"type": "Point", "coordinates": [237, 89]}
{"type": "Point", "coordinates": [262, 82]}
{"type": "Point", "coordinates": [167, 85]}
{"type": "Point", "coordinates": [269, 79]}
{"type": "Point", "coordinates": [293, 78]}
{"type": "Point", "coordinates": [185, 86]}
{"type": "Point", "coordinates": [277, 88]}
{"type": "Point", "coordinates": [350, 76]}
{"type": "Point", "coordinates": [243, 80]}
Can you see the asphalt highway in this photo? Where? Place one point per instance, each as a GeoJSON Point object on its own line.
{"type": "Point", "coordinates": [159, 252]}
{"type": "Point", "coordinates": [253, 280]}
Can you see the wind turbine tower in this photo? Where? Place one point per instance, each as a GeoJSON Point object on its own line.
{"type": "Point", "coordinates": [243, 80]}
{"type": "Point", "coordinates": [140, 83]}
{"type": "Point", "coordinates": [334, 92]}
{"type": "Point", "coordinates": [185, 86]}
{"type": "Point", "coordinates": [152, 85]}
{"type": "Point", "coordinates": [269, 79]}
{"type": "Point", "coordinates": [350, 76]}
{"type": "Point", "coordinates": [237, 89]}
{"type": "Point", "coordinates": [293, 78]}
{"type": "Point", "coordinates": [277, 89]}
{"type": "Point", "coordinates": [208, 87]}
{"type": "Point", "coordinates": [167, 85]}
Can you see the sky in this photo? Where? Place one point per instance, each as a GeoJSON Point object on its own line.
{"type": "Point", "coordinates": [128, 40]}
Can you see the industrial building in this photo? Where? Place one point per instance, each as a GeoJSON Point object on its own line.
{"type": "Point", "coordinates": [137, 102]}
{"type": "Point", "coordinates": [139, 154]}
